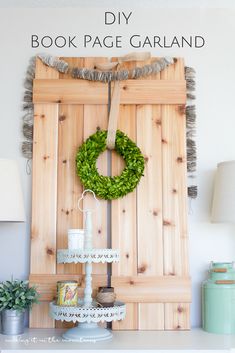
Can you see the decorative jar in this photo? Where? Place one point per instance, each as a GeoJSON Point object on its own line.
{"type": "Point", "coordinates": [75, 239]}
{"type": "Point", "coordinates": [67, 293]}
{"type": "Point", "coordinates": [106, 296]}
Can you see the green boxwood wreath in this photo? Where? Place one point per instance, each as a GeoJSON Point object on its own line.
{"type": "Point", "coordinates": [105, 187]}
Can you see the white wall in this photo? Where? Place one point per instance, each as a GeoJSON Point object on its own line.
{"type": "Point", "coordinates": [215, 108]}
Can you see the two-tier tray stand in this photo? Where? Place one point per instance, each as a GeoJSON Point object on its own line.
{"type": "Point", "coordinates": [88, 313]}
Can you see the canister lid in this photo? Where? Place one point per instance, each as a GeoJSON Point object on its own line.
{"type": "Point", "coordinates": [221, 267]}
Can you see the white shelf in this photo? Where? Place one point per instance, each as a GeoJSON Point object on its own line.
{"type": "Point", "coordinates": [87, 256]}
{"type": "Point", "coordinates": [48, 340]}
{"type": "Point", "coordinates": [88, 314]}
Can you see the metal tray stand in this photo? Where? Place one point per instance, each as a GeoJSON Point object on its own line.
{"type": "Point", "coordinates": [88, 313]}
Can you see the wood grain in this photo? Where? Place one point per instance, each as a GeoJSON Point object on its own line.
{"type": "Point", "coordinates": [151, 316]}
{"type": "Point", "coordinates": [175, 230]}
{"type": "Point", "coordinates": [44, 183]}
{"type": "Point", "coordinates": [124, 209]}
{"type": "Point", "coordinates": [69, 186]}
{"type": "Point", "coordinates": [123, 217]}
{"type": "Point", "coordinates": [69, 139]}
{"type": "Point", "coordinates": [177, 316]}
{"type": "Point", "coordinates": [96, 118]}
{"type": "Point", "coordinates": [131, 320]}
{"type": "Point", "coordinates": [39, 317]}
{"type": "Point", "coordinates": [149, 192]}
{"type": "Point", "coordinates": [44, 195]}
{"type": "Point", "coordinates": [149, 206]}
{"type": "Point", "coordinates": [132, 92]}
{"type": "Point", "coordinates": [152, 289]}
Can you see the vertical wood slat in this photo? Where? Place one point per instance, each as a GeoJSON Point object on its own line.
{"type": "Point", "coordinates": [151, 316]}
{"type": "Point", "coordinates": [174, 198]}
{"type": "Point", "coordinates": [125, 224]}
{"type": "Point", "coordinates": [181, 176]}
{"type": "Point", "coordinates": [124, 209]}
{"type": "Point", "coordinates": [69, 188]}
{"type": "Point", "coordinates": [96, 118]}
{"type": "Point", "coordinates": [123, 217]}
{"type": "Point", "coordinates": [149, 208]}
{"type": "Point", "coordinates": [39, 316]}
{"type": "Point", "coordinates": [131, 320]}
{"type": "Point", "coordinates": [149, 205]}
{"type": "Point", "coordinates": [149, 191]}
{"type": "Point", "coordinates": [177, 316]}
{"type": "Point", "coordinates": [44, 195]}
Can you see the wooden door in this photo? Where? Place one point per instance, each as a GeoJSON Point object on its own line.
{"type": "Point", "coordinates": [149, 225]}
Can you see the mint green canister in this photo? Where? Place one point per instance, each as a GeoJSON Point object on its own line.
{"type": "Point", "coordinates": [218, 299]}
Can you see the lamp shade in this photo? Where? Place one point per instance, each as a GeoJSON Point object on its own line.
{"type": "Point", "coordinates": [11, 198]}
{"type": "Point", "coordinates": [223, 204]}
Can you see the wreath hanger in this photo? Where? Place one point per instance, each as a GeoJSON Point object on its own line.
{"type": "Point", "coordinates": [115, 99]}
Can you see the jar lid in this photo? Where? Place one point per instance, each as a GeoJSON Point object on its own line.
{"type": "Point", "coordinates": [105, 289]}
{"type": "Point", "coordinates": [76, 231]}
{"type": "Point", "coordinates": [64, 282]}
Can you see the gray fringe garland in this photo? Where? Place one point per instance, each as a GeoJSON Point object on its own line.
{"type": "Point", "coordinates": [27, 145]}
{"type": "Point", "coordinates": [107, 76]}
{"type": "Point", "coordinates": [191, 130]}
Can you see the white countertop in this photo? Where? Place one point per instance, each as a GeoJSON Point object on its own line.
{"type": "Point", "coordinates": [141, 341]}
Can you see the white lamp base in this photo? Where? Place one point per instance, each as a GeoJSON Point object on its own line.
{"type": "Point", "coordinates": [85, 332]}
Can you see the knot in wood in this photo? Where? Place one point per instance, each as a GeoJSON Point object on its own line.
{"type": "Point", "coordinates": [50, 251]}
{"type": "Point", "coordinates": [166, 223]}
{"type": "Point", "coordinates": [62, 117]}
{"type": "Point", "coordinates": [181, 109]}
{"type": "Point", "coordinates": [142, 269]}
{"type": "Point", "coordinates": [180, 309]}
{"type": "Point", "coordinates": [158, 122]}
{"type": "Point", "coordinates": [180, 159]}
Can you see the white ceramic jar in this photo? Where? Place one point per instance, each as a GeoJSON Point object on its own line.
{"type": "Point", "coordinates": [76, 239]}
